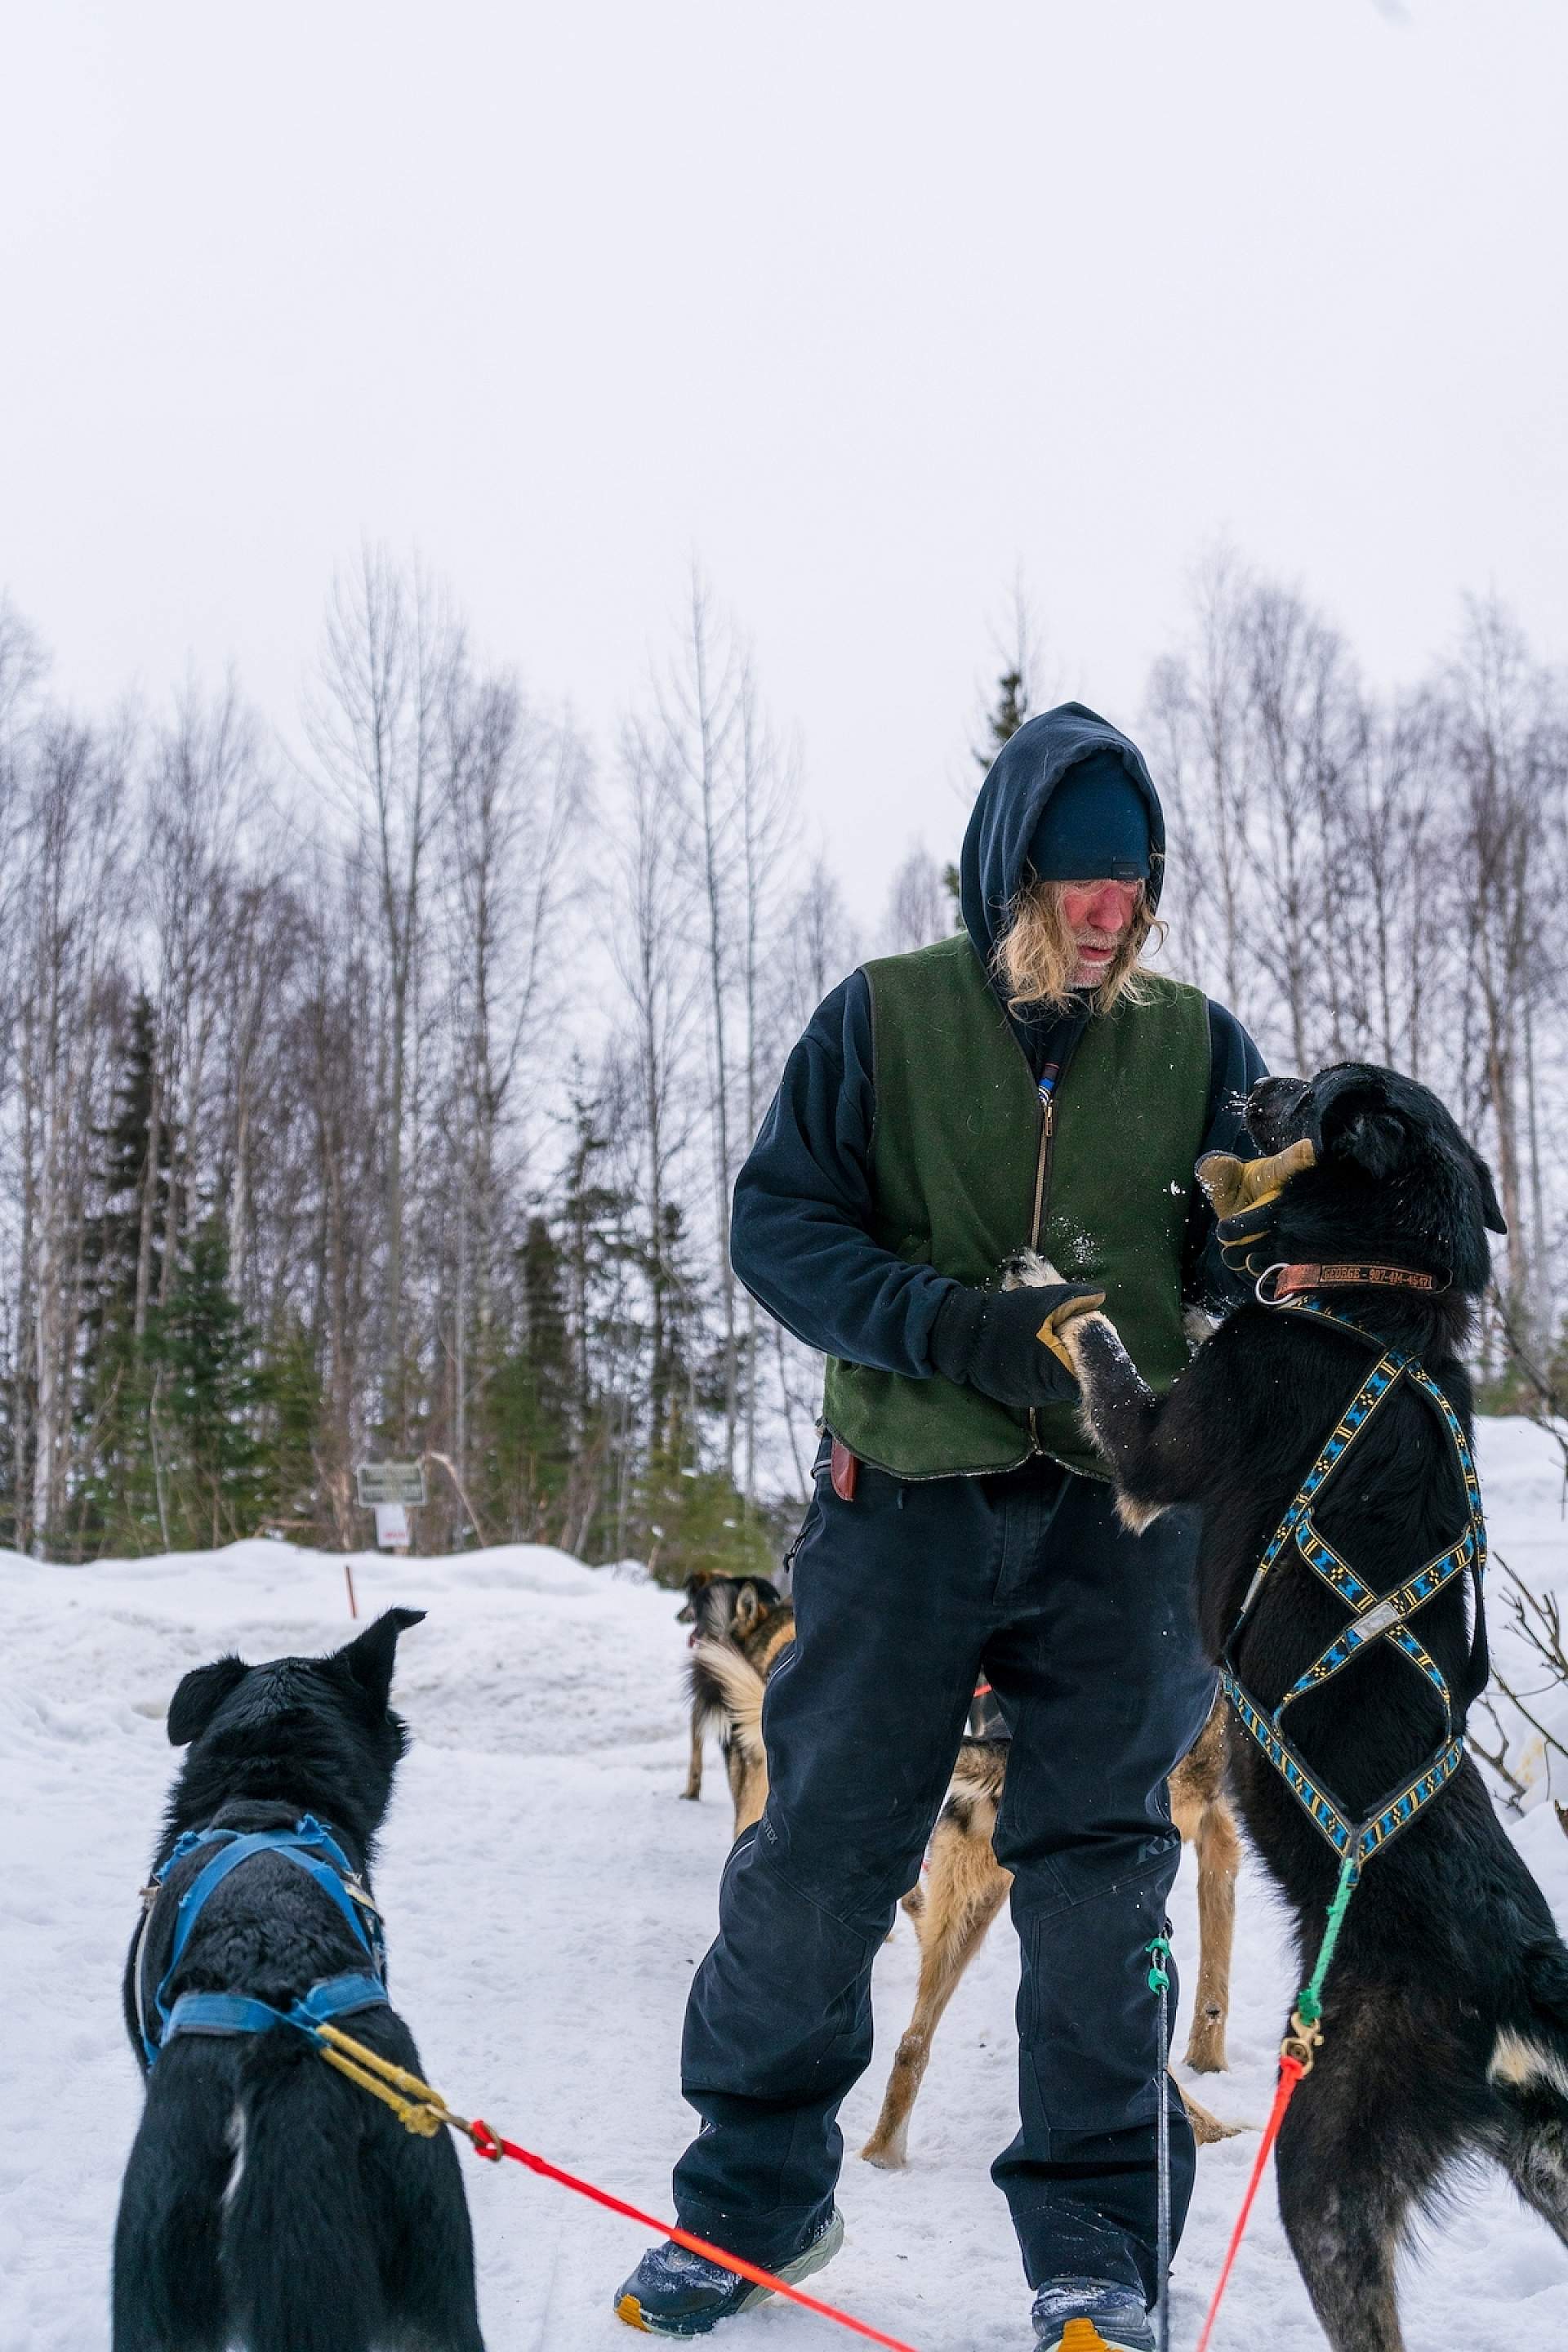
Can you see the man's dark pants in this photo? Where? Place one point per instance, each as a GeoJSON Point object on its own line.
{"type": "Point", "coordinates": [904, 1597]}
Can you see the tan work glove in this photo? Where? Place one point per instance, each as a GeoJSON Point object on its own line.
{"type": "Point", "coordinates": [1241, 1194]}
{"type": "Point", "coordinates": [1053, 1329]}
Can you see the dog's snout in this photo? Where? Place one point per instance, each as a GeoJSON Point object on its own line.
{"type": "Point", "coordinates": [1275, 1093]}
{"type": "Point", "coordinates": [1274, 1109]}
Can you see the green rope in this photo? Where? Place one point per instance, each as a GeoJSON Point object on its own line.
{"type": "Point", "coordinates": [1159, 1950]}
{"type": "Point", "coordinates": [1310, 2007]}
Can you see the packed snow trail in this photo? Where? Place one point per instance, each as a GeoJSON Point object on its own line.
{"type": "Point", "coordinates": [547, 1898]}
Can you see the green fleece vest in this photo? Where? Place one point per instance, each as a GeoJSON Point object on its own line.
{"type": "Point", "coordinates": [965, 1172]}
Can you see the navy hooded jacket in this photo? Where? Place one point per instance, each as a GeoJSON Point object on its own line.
{"type": "Point", "coordinates": [800, 1235]}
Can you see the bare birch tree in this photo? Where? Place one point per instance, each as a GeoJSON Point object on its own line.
{"type": "Point", "coordinates": [517, 789]}
{"type": "Point", "coordinates": [69, 917]}
{"type": "Point", "coordinates": [376, 722]}
{"type": "Point", "coordinates": [653, 903]}
{"type": "Point", "coordinates": [701, 703]}
{"type": "Point", "coordinates": [920, 907]}
{"type": "Point", "coordinates": [201, 793]}
{"type": "Point", "coordinates": [1507, 749]}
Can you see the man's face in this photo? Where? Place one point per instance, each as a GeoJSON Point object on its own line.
{"type": "Point", "coordinates": [1098, 915]}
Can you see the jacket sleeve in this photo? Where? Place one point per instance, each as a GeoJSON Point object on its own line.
{"type": "Point", "coordinates": [1235, 1066]}
{"type": "Point", "coordinates": [800, 1235]}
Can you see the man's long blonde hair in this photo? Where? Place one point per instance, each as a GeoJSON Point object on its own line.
{"type": "Point", "coordinates": [1035, 956]}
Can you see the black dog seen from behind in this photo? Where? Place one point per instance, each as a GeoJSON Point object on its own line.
{"type": "Point", "coordinates": [268, 2204]}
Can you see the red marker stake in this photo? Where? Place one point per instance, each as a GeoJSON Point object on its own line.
{"type": "Point", "coordinates": [348, 1580]}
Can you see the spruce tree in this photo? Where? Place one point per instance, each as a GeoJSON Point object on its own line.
{"type": "Point", "coordinates": [115, 1505]}
{"type": "Point", "coordinates": [211, 1461]}
{"type": "Point", "coordinates": [111, 1239]}
{"type": "Point", "coordinates": [1004, 722]}
{"type": "Point", "coordinates": [288, 1391]}
{"type": "Point", "coordinates": [596, 1254]}
{"type": "Point", "coordinates": [688, 1519]}
{"type": "Point", "coordinates": [696, 1522]}
{"type": "Point", "coordinates": [524, 1415]}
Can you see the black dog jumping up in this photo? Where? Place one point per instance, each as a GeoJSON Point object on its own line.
{"type": "Point", "coordinates": [268, 2203]}
{"type": "Point", "coordinates": [1446, 2015]}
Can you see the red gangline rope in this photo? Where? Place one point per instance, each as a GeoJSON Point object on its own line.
{"type": "Point", "coordinates": [492, 2144]}
{"type": "Point", "coordinates": [1291, 2072]}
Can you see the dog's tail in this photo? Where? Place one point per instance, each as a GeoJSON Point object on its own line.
{"type": "Point", "coordinates": [723, 1679]}
{"type": "Point", "coordinates": [300, 2239]}
{"type": "Point", "coordinates": [709, 1703]}
{"type": "Point", "coordinates": [980, 1769]}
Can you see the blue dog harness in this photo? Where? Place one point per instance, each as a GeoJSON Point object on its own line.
{"type": "Point", "coordinates": [1374, 1616]}
{"type": "Point", "coordinates": [315, 1851]}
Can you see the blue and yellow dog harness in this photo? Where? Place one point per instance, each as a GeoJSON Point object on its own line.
{"type": "Point", "coordinates": [315, 1851]}
{"type": "Point", "coordinates": [1374, 1616]}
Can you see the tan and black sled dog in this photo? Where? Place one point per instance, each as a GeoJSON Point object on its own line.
{"type": "Point", "coordinates": [963, 1886]}
{"type": "Point", "coordinates": [747, 1618]}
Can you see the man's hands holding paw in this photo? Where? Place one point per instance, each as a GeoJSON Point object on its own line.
{"type": "Point", "coordinates": [1010, 1344]}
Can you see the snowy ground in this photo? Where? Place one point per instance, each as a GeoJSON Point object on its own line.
{"type": "Point", "coordinates": [548, 1896]}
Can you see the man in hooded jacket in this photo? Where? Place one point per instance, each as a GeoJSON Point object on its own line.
{"type": "Point", "coordinates": [932, 1122]}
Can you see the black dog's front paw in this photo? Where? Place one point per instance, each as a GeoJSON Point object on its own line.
{"type": "Point", "coordinates": [1104, 1369]}
{"type": "Point", "coordinates": [1116, 1411]}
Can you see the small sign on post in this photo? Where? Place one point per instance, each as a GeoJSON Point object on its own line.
{"type": "Point", "coordinates": [391, 1482]}
{"type": "Point", "coordinates": [391, 1489]}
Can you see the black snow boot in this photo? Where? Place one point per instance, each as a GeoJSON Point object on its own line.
{"type": "Point", "coordinates": [1085, 2314]}
{"type": "Point", "coordinates": [674, 2293]}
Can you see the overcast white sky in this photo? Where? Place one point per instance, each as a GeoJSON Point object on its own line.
{"type": "Point", "coordinates": [866, 305]}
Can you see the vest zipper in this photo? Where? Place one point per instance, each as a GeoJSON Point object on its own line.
{"type": "Point", "coordinates": [1043, 1166]}
{"type": "Point", "coordinates": [1042, 1185]}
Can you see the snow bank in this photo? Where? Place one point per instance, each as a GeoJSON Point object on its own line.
{"type": "Point", "coordinates": [548, 1897]}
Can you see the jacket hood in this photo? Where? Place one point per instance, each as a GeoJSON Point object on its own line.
{"type": "Point", "coordinates": [1021, 780]}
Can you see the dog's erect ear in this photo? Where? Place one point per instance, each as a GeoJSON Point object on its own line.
{"type": "Point", "coordinates": [1491, 1207]}
{"type": "Point", "coordinates": [696, 1586]}
{"type": "Point", "coordinates": [371, 1658]}
{"type": "Point", "coordinates": [747, 1609]}
{"type": "Point", "coordinates": [1376, 1140]}
{"type": "Point", "coordinates": [201, 1694]}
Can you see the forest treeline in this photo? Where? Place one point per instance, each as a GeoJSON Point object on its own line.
{"type": "Point", "coordinates": [310, 1155]}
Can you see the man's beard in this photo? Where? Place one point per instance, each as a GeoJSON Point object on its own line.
{"type": "Point", "coordinates": [1089, 974]}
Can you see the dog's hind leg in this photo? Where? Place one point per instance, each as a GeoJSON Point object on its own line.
{"type": "Point", "coordinates": [1219, 1858]}
{"type": "Point", "coordinates": [418, 2209]}
{"type": "Point", "coordinates": [1345, 2234]}
{"type": "Point", "coordinates": [1203, 1815]}
{"type": "Point", "coordinates": [300, 2239]}
{"type": "Point", "coordinates": [1357, 2153]}
{"type": "Point", "coordinates": [1206, 2128]}
{"type": "Point", "coordinates": [963, 1892]}
{"type": "Point", "coordinates": [168, 2289]}
{"type": "Point", "coordinates": [693, 1788]}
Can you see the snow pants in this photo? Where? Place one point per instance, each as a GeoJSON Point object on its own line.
{"type": "Point", "coordinates": [905, 1597]}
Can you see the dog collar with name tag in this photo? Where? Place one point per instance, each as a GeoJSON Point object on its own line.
{"type": "Point", "coordinates": [1349, 1273]}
